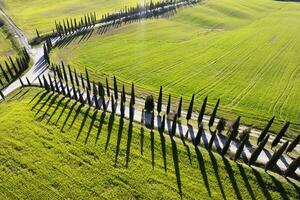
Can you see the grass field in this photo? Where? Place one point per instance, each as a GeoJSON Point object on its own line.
{"type": "Point", "coordinates": [7, 46]}
{"type": "Point", "coordinates": [32, 15]}
{"type": "Point", "coordinates": [51, 148]}
{"type": "Point", "coordinates": [244, 52]}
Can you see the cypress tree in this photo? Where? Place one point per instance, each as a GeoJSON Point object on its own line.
{"type": "Point", "coordinates": [62, 86]}
{"type": "Point", "coordinates": [132, 94]}
{"type": "Point", "coordinates": [169, 105]}
{"type": "Point", "coordinates": [233, 133]}
{"type": "Point", "coordinates": [46, 56]}
{"type": "Point", "coordinates": [213, 115]}
{"type": "Point", "coordinates": [82, 81]}
{"type": "Point", "coordinates": [95, 95]}
{"type": "Point", "coordinates": [113, 110]}
{"type": "Point", "coordinates": [241, 147]}
{"type": "Point", "coordinates": [199, 135]}
{"type": "Point", "coordinates": [64, 71]}
{"type": "Point", "coordinates": [70, 75]}
{"type": "Point", "coordinates": [107, 87]}
{"type": "Point", "coordinates": [51, 84]}
{"type": "Point", "coordinates": [258, 150]}
{"type": "Point", "coordinates": [152, 121]}
{"type": "Point", "coordinates": [174, 124]}
{"type": "Point", "coordinates": [293, 144]}
{"type": "Point", "coordinates": [4, 74]}
{"type": "Point", "coordinates": [80, 96]}
{"type": "Point", "coordinates": [292, 167]}
{"type": "Point", "coordinates": [9, 70]}
{"type": "Point", "coordinates": [115, 88]}
{"type": "Point", "coordinates": [22, 84]}
{"type": "Point", "coordinates": [1, 82]}
{"type": "Point", "coordinates": [123, 97]}
{"type": "Point", "coordinates": [162, 125]}
{"type": "Point", "coordinates": [273, 160]}
{"type": "Point", "coordinates": [280, 134]}
{"type": "Point", "coordinates": [159, 102]}
{"type": "Point", "coordinates": [68, 90]}
{"type": "Point", "coordinates": [88, 97]}
{"type": "Point", "coordinates": [74, 92]}
{"type": "Point", "coordinates": [100, 89]}
{"type": "Point", "coordinates": [265, 131]}
{"type": "Point", "coordinates": [13, 66]}
{"type": "Point", "coordinates": [76, 78]}
{"type": "Point", "coordinates": [122, 109]}
{"type": "Point", "coordinates": [103, 103]}
{"type": "Point", "coordinates": [179, 108]}
{"type": "Point", "coordinates": [41, 84]}
{"type": "Point", "coordinates": [28, 82]}
{"type": "Point", "coordinates": [221, 125]}
{"type": "Point", "coordinates": [88, 79]}
{"type": "Point", "coordinates": [56, 85]}
{"type": "Point", "coordinates": [37, 33]}
{"type": "Point", "coordinates": [2, 95]}
{"type": "Point", "coordinates": [211, 141]}
{"type": "Point", "coordinates": [46, 85]}
{"type": "Point", "coordinates": [190, 110]}
{"type": "Point", "coordinates": [131, 112]}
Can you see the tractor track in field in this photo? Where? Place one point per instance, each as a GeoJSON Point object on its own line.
{"type": "Point", "coordinates": [259, 75]}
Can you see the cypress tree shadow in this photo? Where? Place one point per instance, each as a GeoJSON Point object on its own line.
{"type": "Point", "coordinates": [176, 165]}
{"type": "Point", "coordinates": [247, 184]}
{"type": "Point", "coordinates": [101, 121]}
{"type": "Point", "coordinates": [163, 149]}
{"type": "Point", "coordinates": [110, 126]}
{"type": "Point", "coordinates": [78, 110]}
{"type": "Point", "coordinates": [128, 143]}
{"type": "Point", "coordinates": [63, 111]}
{"type": "Point", "coordinates": [187, 147]}
{"type": "Point", "coordinates": [279, 187]}
{"type": "Point", "coordinates": [56, 108]}
{"type": "Point", "coordinates": [37, 94]}
{"type": "Point", "coordinates": [232, 178]}
{"type": "Point", "coordinates": [52, 101]}
{"type": "Point", "coordinates": [202, 169]}
{"type": "Point", "coordinates": [38, 101]}
{"type": "Point", "coordinates": [152, 148]}
{"type": "Point", "coordinates": [120, 131]}
{"type": "Point", "coordinates": [91, 126]}
{"type": "Point", "coordinates": [191, 131]}
{"type": "Point", "coordinates": [83, 122]}
{"type": "Point", "coordinates": [44, 104]}
{"type": "Point", "coordinates": [216, 170]}
{"type": "Point", "coordinates": [262, 184]}
{"type": "Point", "coordinates": [21, 93]}
{"type": "Point", "coordinates": [142, 139]}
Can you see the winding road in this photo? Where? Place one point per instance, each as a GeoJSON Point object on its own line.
{"type": "Point", "coordinates": [39, 68]}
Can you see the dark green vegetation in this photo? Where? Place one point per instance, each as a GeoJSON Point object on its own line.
{"type": "Point", "coordinates": [54, 148]}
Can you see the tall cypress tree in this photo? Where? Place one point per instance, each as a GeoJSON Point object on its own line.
{"type": "Point", "coordinates": [265, 131]}
{"type": "Point", "coordinates": [88, 97]}
{"type": "Point", "coordinates": [46, 85]}
{"type": "Point", "coordinates": [233, 133]}
{"type": "Point", "coordinates": [71, 75]}
{"type": "Point", "coordinates": [179, 108]}
{"type": "Point", "coordinates": [190, 110]}
{"type": "Point", "coordinates": [88, 79]}
{"type": "Point", "coordinates": [113, 109]}
{"type": "Point", "coordinates": [132, 94]}
{"type": "Point", "coordinates": [174, 124]}
{"type": "Point", "coordinates": [64, 71]}
{"type": "Point", "coordinates": [51, 84]}
{"type": "Point", "coordinates": [169, 105]}
{"type": "Point", "coordinates": [115, 88]}
{"type": "Point", "coordinates": [2, 95]}
{"type": "Point", "coordinates": [199, 135]}
{"type": "Point", "coordinates": [162, 125]}
{"type": "Point", "coordinates": [241, 147]}
{"type": "Point", "coordinates": [82, 81]}
{"type": "Point", "coordinates": [159, 102]}
{"type": "Point", "coordinates": [258, 150]}
{"type": "Point", "coordinates": [280, 134]}
{"type": "Point", "coordinates": [9, 70]}
{"type": "Point", "coordinates": [292, 167]}
{"type": "Point", "coordinates": [76, 78]}
{"type": "Point", "coordinates": [213, 115]}
{"type": "Point", "coordinates": [107, 87]}
{"type": "Point", "coordinates": [293, 144]}
{"type": "Point", "coordinates": [273, 160]}
{"type": "Point", "coordinates": [4, 74]}
{"type": "Point", "coordinates": [211, 141]}
{"type": "Point", "coordinates": [123, 97]}
{"type": "Point", "coordinates": [40, 81]}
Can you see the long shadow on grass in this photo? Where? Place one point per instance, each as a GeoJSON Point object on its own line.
{"type": "Point", "coordinates": [63, 111]}
{"type": "Point", "coordinates": [176, 165]}
{"type": "Point", "coordinates": [120, 131]}
{"type": "Point", "coordinates": [56, 108]}
{"type": "Point", "coordinates": [129, 138]}
{"type": "Point", "coordinates": [152, 148]}
{"type": "Point", "coordinates": [247, 184]}
{"type": "Point", "coordinates": [232, 178]}
{"type": "Point", "coordinates": [42, 93]}
{"type": "Point", "coordinates": [101, 121]}
{"type": "Point", "coordinates": [110, 127]}
{"type": "Point", "coordinates": [279, 187]}
{"type": "Point", "coordinates": [91, 126]}
{"type": "Point", "coordinates": [85, 116]}
{"type": "Point", "coordinates": [44, 104]}
{"type": "Point", "coordinates": [216, 170]}
{"type": "Point", "coordinates": [163, 148]}
{"type": "Point", "coordinates": [52, 102]}
{"type": "Point", "coordinates": [262, 184]}
{"type": "Point", "coordinates": [202, 169]}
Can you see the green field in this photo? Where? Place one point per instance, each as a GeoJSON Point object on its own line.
{"type": "Point", "coordinates": [32, 15]}
{"type": "Point", "coordinates": [7, 45]}
{"type": "Point", "coordinates": [50, 148]}
{"type": "Point", "coordinates": [245, 52]}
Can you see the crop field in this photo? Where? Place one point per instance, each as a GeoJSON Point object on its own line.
{"type": "Point", "coordinates": [32, 15]}
{"type": "Point", "coordinates": [245, 52]}
{"type": "Point", "coordinates": [51, 148]}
